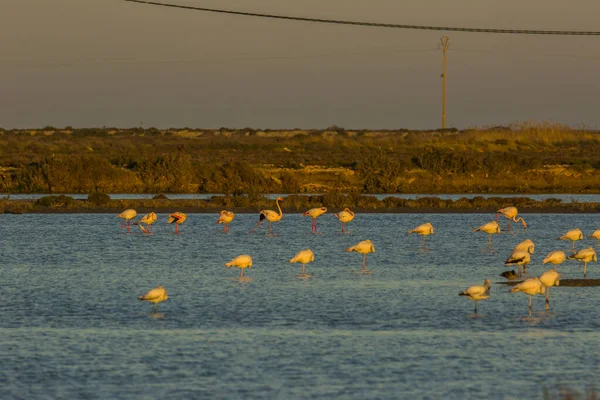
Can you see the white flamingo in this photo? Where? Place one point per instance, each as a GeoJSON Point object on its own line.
{"type": "Point", "coordinates": [555, 258]}
{"type": "Point", "coordinates": [344, 217]}
{"type": "Point", "coordinates": [314, 213]}
{"type": "Point", "coordinates": [476, 293]}
{"type": "Point", "coordinates": [490, 228]}
{"type": "Point", "coordinates": [519, 258]}
{"type": "Point", "coordinates": [585, 256]}
{"type": "Point", "coordinates": [242, 262]}
{"type": "Point", "coordinates": [128, 216]}
{"type": "Point", "coordinates": [304, 257]}
{"type": "Point", "coordinates": [549, 278]}
{"type": "Point", "coordinates": [530, 287]}
{"type": "Point", "coordinates": [365, 247]}
{"type": "Point", "coordinates": [573, 235]}
{"type": "Point", "coordinates": [155, 296]}
{"type": "Point", "coordinates": [270, 215]}
{"type": "Point", "coordinates": [511, 214]}
{"type": "Point", "coordinates": [424, 230]}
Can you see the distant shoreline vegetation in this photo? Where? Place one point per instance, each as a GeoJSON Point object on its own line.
{"type": "Point", "coordinates": [100, 202]}
{"type": "Point", "coordinates": [520, 158]}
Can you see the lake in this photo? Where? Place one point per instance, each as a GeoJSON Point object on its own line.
{"type": "Point", "coordinates": [71, 325]}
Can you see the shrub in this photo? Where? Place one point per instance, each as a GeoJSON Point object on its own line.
{"type": "Point", "coordinates": [98, 199]}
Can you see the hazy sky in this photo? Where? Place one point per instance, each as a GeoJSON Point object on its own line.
{"type": "Point", "coordinates": [113, 63]}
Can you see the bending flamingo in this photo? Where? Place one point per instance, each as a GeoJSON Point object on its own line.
{"type": "Point", "coordinates": [304, 257]}
{"type": "Point", "coordinates": [595, 234]}
{"type": "Point", "coordinates": [344, 217]}
{"type": "Point", "coordinates": [365, 247]}
{"type": "Point", "coordinates": [573, 235]}
{"type": "Point", "coordinates": [270, 215]}
{"type": "Point", "coordinates": [128, 216]}
{"type": "Point", "coordinates": [530, 287]}
{"type": "Point", "coordinates": [526, 245]}
{"type": "Point", "coordinates": [423, 230]}
{"type": "Point", "coordinates": [511, 214]}
{"type": "Point", "coordinates": [585, 256]}
{"type": "Point", "coordinates": [225, 217]}
{"type": "Point", "coordinates": [242, 262]}
{"type": "Point", "coordinates": [476, 293]}
{"type": "Point", "coordinates": [314, 213]}
{"type": "Point", "coordinates": [519, 258]}
{"type": "Point", "coordinates": [549, 278]}
{"type": "Point", "coordinates": [147, 219]}
{"type": "Point", "coordinates": [555, 258]}
{"type": "Point", "coordinates": [155, 296]}
{"type": "Point", "coordinates": [177, 217]}
{"type": "Point", "coordinates": [490, 228]}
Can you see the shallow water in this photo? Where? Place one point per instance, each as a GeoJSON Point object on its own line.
{"type": "Point", "coordinates": [565, 198]}
{"type": "Point", "coordinates": [71, 326]}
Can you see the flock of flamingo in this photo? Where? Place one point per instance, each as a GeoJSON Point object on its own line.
{"type": "Point", "coordinates": [520, 255]}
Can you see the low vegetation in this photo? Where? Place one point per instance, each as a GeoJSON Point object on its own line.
{"type": "Point", "coordinates": [524, 158]}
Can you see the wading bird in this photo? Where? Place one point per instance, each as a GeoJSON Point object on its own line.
{"type": "Point", "coordinates": [303, 257]}
{"type": "Point", "coordinates": [314, 213]}
{"type": "Point", "coordinates": [155, 296]}
{"type": "Point", "coordinates": [526, 245]}
{"type": "Point", "coordinates": [270, 215]}
{"type": "Point", "coordinates": [147, 219]}
{"type": "Point", "coordinates": [511, 214]}
{"type": "Point", "coordinates": [423, 230]}
{"type": "Point", "coordinates": [128, 216]}
{"type": "Point", "coordinates": [555, 258]}
{"type": "Point", "coordinates": [519, 258]}
{"type": "Point", "coordinates": [177, 217]}
{"type": "Point", "coordinates": [530, 287]}
{"type": "Point", "coordinates": [549, 278]}
{"type": "Point", "coordinates": [585, 256]}
{"type": "Point", "coordinates": [573, 235]}
{"type": "Point", "coordinates": [344, 217]}
{"type": "Point", "coordinates": [595, 234]}
{"type": "Point", "coordinates": [476, 293]}
{"type": "Point", "coordinates": [242, 262]}
{"type": "Point", "coordinates": [225, 217]}
{"type": "Point", "coordinates": [365, 247]}
{"type": "Point", "coordinates": [490, 228]}
{"type": "Point", "coordinates": [510, 275]}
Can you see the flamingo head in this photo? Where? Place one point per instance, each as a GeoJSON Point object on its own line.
{"type": "Point", "coordinates": [524, 224]}
{"type": "Point", "coordinates": [279, 199]}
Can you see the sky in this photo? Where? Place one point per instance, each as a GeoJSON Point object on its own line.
{"type": "Point", "coordinates": [94, 63]}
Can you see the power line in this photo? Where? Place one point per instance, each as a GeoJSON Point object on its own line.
{"type": "Point", "coordinates": [376, 24]}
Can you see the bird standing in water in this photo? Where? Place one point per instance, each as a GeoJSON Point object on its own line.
{"type": "Point", "coordinates": [270, 215]}
{"type": "Point", "coordinates": [147, 219]}
{"type": "Point", "coordinates": [476, 293]}
{"type": "Point", "coordinates": [242, 262]}
{"type": "Point", "coordinates": [490, 228]}
{"type": "Point", "coordinates": [225, 217]}
{"type": "Point", "coordinates": [555, 258]}
{"type": "Point", "coordinates": [155, 296]}
{"type": "Point", "coordinates": [177, 217]}
{"type": "Point", "coordinates": [128, 216]}
{"type": "Point", "coordinates": [365, 247]}
{"type": "Point", "coordinates": [549, 278]}
{"type": "Point", "coordinates": [585, 256]}
{"type": "Point", "coordinates": [314, 213]}
{"type": "Point", "coordinates": [511, 214]}
{"type": "Point", "coordinates": [530, 287]}
{"type": "Point", "coordinates": [423, 230]}
{"type": "Point", "coordinates": [344, 217]}
{"type": "Point", "coordinates": [573, 235]}
{"type": "Point", "coordinates": [304, 257]}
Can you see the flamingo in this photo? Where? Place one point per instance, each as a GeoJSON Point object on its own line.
{"type": "Point", "coordinates": [585, 256]}
{"type": "Point", "coordinates": [572, 235]}
{"type": "Point", "coordinates": [423, 230]}
{"type": "Point", "coordinates": [242, 262]}
{"type": "Point", "coordinates": [476, 293]}
{"type": "Point", "coordinates": [177, 217]}
{"type": "Point", "coordinates": [555, 258]}
{"type": "Point", "coordinates": [530, 287]}
{"type": "Point", "coordinates": [489, 228]}
{"type": "Point", "coordinates": [155, 296]}
{"type": "Point", "coordinates": [303, 257]}
{"type": "Point", "coordinates": [225, 217]}
{"type": "Point", "coordinates": [511, 214]}
{"type": "Point", "coordinates": [128, 216]}
{"type": "Point", "coordinates": [595, 234]}
{"type": "Point", "coordinates": [526, 245]}
{"type": "Point", "coordinates": [519, 258]}
{"type": "Point", "coordinates": [314, 213]}
{"type": "Point", "coordinates": [365, 247]}
{"type": "Point", "coordinates": [270, 215]}
{"type": "Point", "coordinates": [344, 217]}
{"type": "Point", "coordinates": [549, 278]}
{"type": "Point", "coordinates": [147, 219]}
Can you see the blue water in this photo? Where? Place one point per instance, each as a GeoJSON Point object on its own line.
{"type": "Point", "coordinates": [566, 198]}
{"type": "Point", "coordinates": [71, 325]}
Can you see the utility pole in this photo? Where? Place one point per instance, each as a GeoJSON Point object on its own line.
{"type": "Point", "coordinates": [444, 40]}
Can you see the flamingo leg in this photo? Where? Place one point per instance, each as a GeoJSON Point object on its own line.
{"type": "Point", "coordinates": [176, 228]}
{"type": "Point", "coordinates": [123, 224]}
{"type": "Point", "coordinates": [530, 305]}
{"type": "Point", "coordinates": [584, 269]}
{"type": "Point", "coordinates": [343, 227]}
{"type": "Point", "coordinates": [508, 229]}
{"type": "Point", "coordinates": [547, 298]}
{"type": "Point", "coordinates": [555, 267]}
{"type": "Point", "coordinates": [314, 225]}
{"type": "Point", "coordinates": [303, 266]}
{"type": "Point", "coordinates": [129, 226]}
{"type": "Point", "coordinates": [270, 228]}
{"type": "Point", "coordinates": [475, 307]}
{"type": "Point", "coordinates": [226, 229]}
{"type": "Point", "coordinates": [490, 242]}
{"type": "Point", "coordinates": [242, 273]}
{"type": "Point", "coordinates": [423, 244]}
{"type": "Point", "coordinates": [364, 264]}
{"type": "Point", "coordinates": [572, 245]}
{"type": "Point", "coordinates": [155, 308]}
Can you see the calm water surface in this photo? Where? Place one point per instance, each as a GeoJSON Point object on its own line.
{"type": "Point", "coordinates": [71, 326]}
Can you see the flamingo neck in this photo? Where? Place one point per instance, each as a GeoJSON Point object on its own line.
{"type": "Point", "coordinates": [279, 208]}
